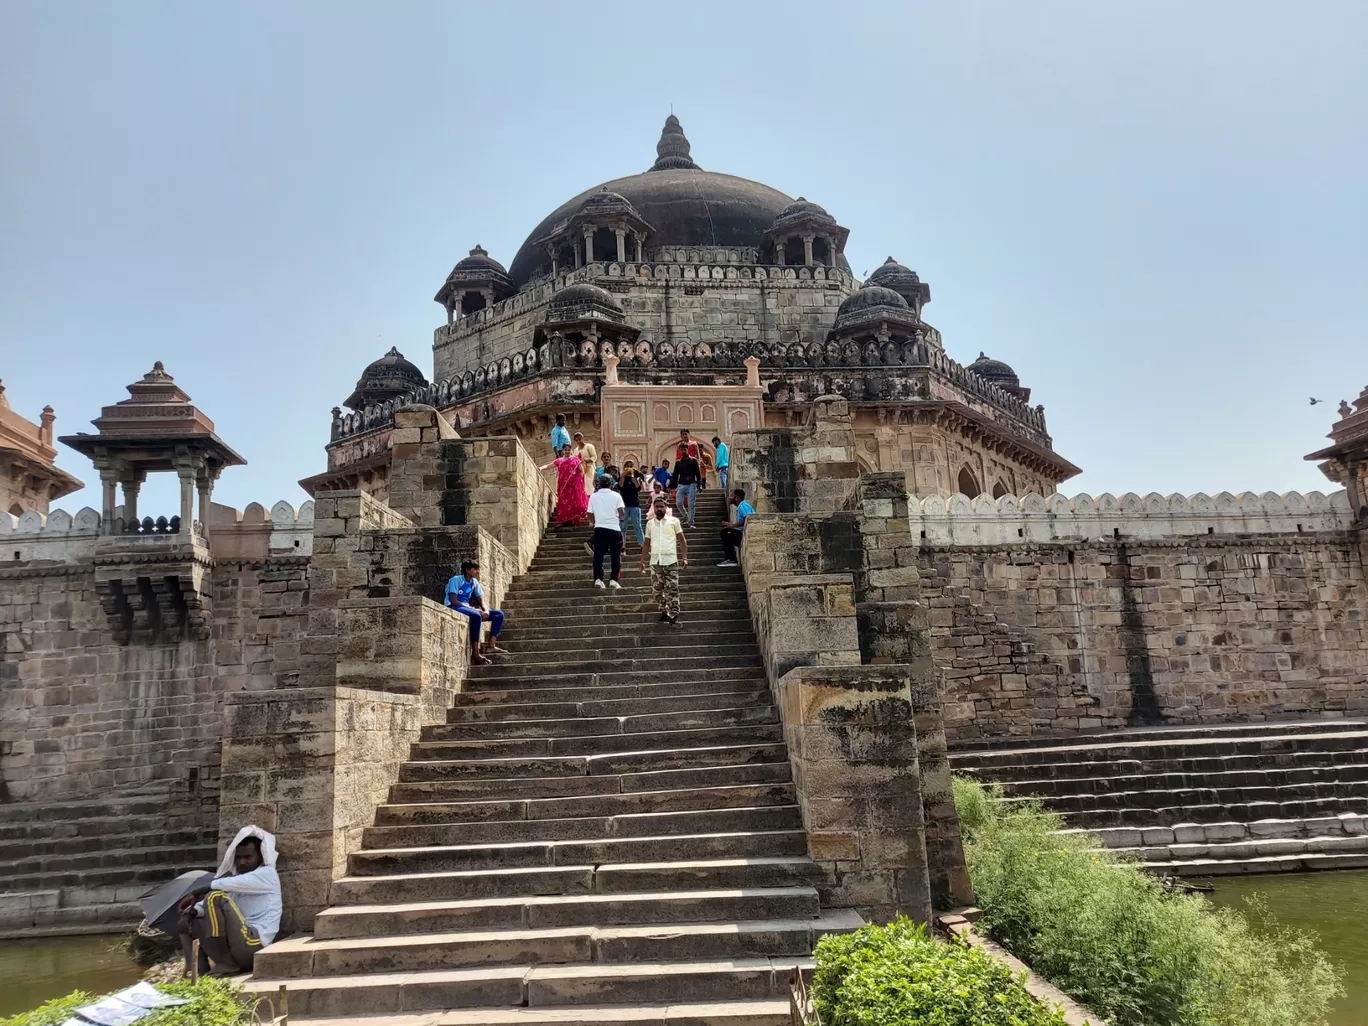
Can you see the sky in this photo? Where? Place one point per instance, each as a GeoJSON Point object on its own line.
{"type": "Point", "coordinates": [1156, 213]}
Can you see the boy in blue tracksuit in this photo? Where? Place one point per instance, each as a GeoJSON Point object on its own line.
{"type": "Point", "coordinates": [464, 594]}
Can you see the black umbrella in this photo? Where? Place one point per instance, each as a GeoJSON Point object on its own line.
{"type": "Point", "coordinates": [161, 904]}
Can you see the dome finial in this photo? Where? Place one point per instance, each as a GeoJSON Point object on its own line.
{"type": "Point", "coordinates": [672, 152]}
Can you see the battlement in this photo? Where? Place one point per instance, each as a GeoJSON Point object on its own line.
{"type": "Point", "coordinates": [60, 537]}
{"type": "Point", "coordinates": [1012, 520]}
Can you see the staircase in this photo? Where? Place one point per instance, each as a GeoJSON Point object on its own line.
{"type": "Point", "coordinates": [604, 831]}
{"type": "Point", "coordinates": [81, 865]}
{"type": "Point", "coordinates": [1201, 801]}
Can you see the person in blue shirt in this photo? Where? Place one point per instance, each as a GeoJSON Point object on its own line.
{"type": "Point", "coordinates": [560, 434]}
{"type": "Point", "coordinates": [732, 533]}
{"type": "Point", "coordinates": [464, 594]}
{"type": "Point", "coordinates": [721, 460]}
{"type": "Point", "coordinates": [662, 473]}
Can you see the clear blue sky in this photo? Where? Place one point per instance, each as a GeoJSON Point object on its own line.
{"type": "Point", "coordinates": [1155, 212]}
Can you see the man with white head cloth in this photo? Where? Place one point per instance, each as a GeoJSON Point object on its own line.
{"type": "Point", "coordinates": [239, 913]}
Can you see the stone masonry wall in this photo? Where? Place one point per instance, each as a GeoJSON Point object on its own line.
{"type": "Point", "coordinates": [1056, 638]}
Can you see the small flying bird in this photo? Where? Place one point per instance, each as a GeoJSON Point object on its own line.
{"type": "Point", "coordinates": [1315, 400]}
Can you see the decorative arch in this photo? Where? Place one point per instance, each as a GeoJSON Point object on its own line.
{"type": "Point", "coordinates": [966, 484]}
{"type": "Point", "coordinates": [1000, 489]}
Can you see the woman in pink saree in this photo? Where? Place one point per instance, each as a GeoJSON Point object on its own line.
{"type": "Point", "coordinates": [572, 502]}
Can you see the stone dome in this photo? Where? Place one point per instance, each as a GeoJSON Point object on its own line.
{"type": "Point", "coordinates": [803, 206]}
{"type": "Point", "coordinates": [870, 304]}
{"type": "Point", "coordinates": [386, 378]}
{"type": "Point", "coordinates": [607, 202]}
{"type": "Point", "coordinates": [479, 260]}
{"type": "Point", "coordinates": [891, 274]}
{"type": "Point", "coordinates": [582, 301]}
{"type": "Point", "coordinates": [683, 204]}
{"type": "Point", "coordinates": [995, 371]}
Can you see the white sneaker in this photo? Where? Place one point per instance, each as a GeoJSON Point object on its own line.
{"type": "Point", "coordinates": [729, 562]}
{"type": "Point", "coordinates": [588, 548]}
{"type": "Point", "coordinates": [614, 585]}
{"type": "Point", "coordinates": [599, 584]}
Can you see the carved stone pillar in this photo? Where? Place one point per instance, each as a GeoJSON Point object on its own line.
{"type": "Point", "coordinates": [186, 472]}
{"type": "Point", "coordinates": [622, 245]}
{"type": "Point", "coordinates": [640, 249]}
{"type": "Point", "coordinates": [779, 245]}
{"type": "Point", "coordinates": [130, 497]}
{"type": "Point", "coordinates": [588, 246]}
{"type": "Point", "coordinates": [807, 250]}
{"type": "Point", "coordinates": [109, 480]}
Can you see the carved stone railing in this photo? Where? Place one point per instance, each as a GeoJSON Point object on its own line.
{"type": "Point", "coordinates": [558, 353]}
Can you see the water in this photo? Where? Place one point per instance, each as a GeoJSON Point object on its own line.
{"type": "Point", "coordinates": [34, 971]}
{"type": "Point", "coordinates": [1332, 904]}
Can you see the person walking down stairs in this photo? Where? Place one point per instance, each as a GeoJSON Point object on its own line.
{"type": "Point", "coordinates": [608, 511]}
{"type": "Point", "coordinates": [667, 553]}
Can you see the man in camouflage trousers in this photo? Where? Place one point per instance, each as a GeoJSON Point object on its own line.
{"type": "Point", "coordinates": [666, 552]}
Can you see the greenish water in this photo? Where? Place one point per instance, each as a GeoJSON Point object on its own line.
{"type": "Point", "coordinates": [34, 971]}
{"type": "Point", "coordinates": [1332, 904]}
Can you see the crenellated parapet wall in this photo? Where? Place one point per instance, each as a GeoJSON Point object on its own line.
{"type": "Point", "coordinates": [1032, 519]}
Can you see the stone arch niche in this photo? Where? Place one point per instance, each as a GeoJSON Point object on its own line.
{"type": "Point", "coordinates": [966, 484]}
{"type": "Point", "coordinates": [643, 421]}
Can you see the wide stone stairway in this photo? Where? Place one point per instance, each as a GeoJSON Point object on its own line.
{"type": "Point", "coordinates": [1196, 801]}
{"type": "Point", "coordinates": [604, 831]}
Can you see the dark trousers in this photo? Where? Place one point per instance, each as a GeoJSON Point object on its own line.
{"type": "Point", "coordinates": [226, 941]}
{"type": "Point", "coordinates": [731, 541]}
{"type": "Point", "coordinates": [607, 542]}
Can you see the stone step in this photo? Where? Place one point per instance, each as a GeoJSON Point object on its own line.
{"type": "Point", "coordinates": [567, 786]}
{"type": "Point", "coordinates": [550, 853]}
{"type": "Point", "coordinates": [1131, 734]}
{"type": "Point", "coordinates": [690, 799]}
{"type": "Point", "coordinates": [118, 861]}
{"type": "Point", "coordinates": [585, 828]}
{"type": "Point", "coordinates": [627, 877]}
{"type": "Point", "coordinates": [604, 661]}
{"type": "Point", "coordinates": [604, 604]}
{"type": "Point", "coordinates": [1106, 800]}
{"type": "Point", "coordinates": [1344, 825]}
{"type": "Point", "coordinates": [1060, 772]}
{"type": "Point", "coordinates": [615, 684]}
{"type": "Point", "coordinates": [573, 725]}
{"type": "Point", "coordinates": [755, 698]}
{"type": "Point", "coordinates": [18, 841]}
{"type": "Point", "coordinates": [699, 629]}
{"type": "Point", "coordinates": [595, 744]}
{"type": "Point", "coordinates": [298, 957]}
{"type": "Point", "coordinates": [526, 912]}
{"type": "Point", "coordinates": [1181, 812]}
{"type": "Point", "coordinates": [721, 1013]}
{"type": "Point", "coordinates": [64, 813]}
{"type": "Point", "coordinates": [529, 990]}
{"type": "Point", "coordinates": [1263, 864]}
{"type": "Point", "coordinates": [616, 641]}
{"type": "Point", "coordinates": [1167, 749]}
{"type": "Point", "coordinates": [642, 615]}
{"type": "Point", "coordinates": [1240, 851]}
{"type": "Point", "coordinates": [1214, 782]}
{"type": "Point", "coordinates": [610, 764]}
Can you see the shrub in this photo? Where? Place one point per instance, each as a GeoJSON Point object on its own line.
{"type": "Point", "coordinates": [214, 1002]}
{"type": "Point", "coordinates": [1106, 933]}
{"type": "Point", "coordinates": [896, 975]}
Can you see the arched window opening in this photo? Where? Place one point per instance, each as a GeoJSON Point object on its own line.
{"type": "Point", "coordinates": [17, 510]}
{"type": "Point", "coordinates": [999, 490]}
{"type": "Point", "coordinates": [793, 252]}
{"type": "Point", "coordinates": [605, 244]}
{"type": "Point", "coordinates": [472, 301]}
{"type": "Point", "coordinates": [821, 253]}
{"type": "Point", "coordinates": [968, 487]}
{"type": "Point", "coordinates": [565, 258]}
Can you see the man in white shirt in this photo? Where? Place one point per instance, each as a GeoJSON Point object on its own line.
{"type": "Point", "coordinates": [667, 551]}
{"type": "Point", "coordinates": [240, 911]}
{"type": "Point", "coordinates": [608, 510]}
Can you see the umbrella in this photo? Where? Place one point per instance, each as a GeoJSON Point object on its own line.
{"type": "Point", "coordinates": [160, 904]}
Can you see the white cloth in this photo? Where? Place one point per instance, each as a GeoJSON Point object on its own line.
{"type": "Point", "coordinates": [604, 504]}
{"type": "Point", "coordinates": [256, 894]}
{"type": "Point", "coordinates": [663, 534]}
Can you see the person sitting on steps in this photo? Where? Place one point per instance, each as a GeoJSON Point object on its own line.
{"type": "Point", "coordinates": [732, 533]}
{"type": "Point", "coordinates": [465, 595]}
{"type": "Point", "coordinates": [238, 914]}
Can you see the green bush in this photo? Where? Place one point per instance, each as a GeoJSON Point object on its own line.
{"type": "Point", "coordinates": [1106, 933]}
{"type": "Point", "coordinates": [896, 975]}
{"type": "Point", "coordinates": [214, 1002]}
